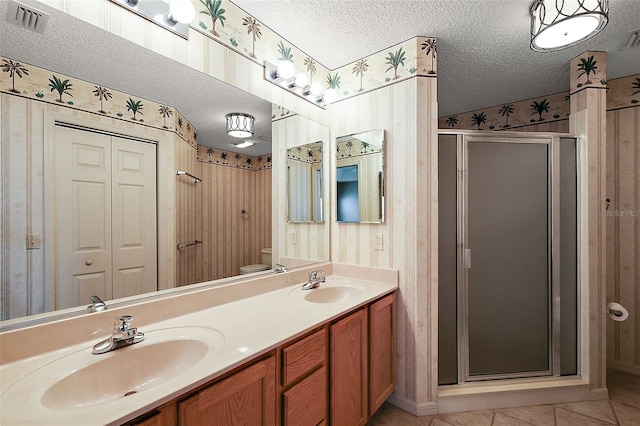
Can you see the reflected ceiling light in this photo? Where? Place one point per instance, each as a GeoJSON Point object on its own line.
{"type": "Point", "coordinates": [558, 24]}
{"type": "Point", "coordinates": [245, 144]}
{"type": "Point", "coordinates": [174, 17]}
{"type": "Point", "coordinates": [239, 125]}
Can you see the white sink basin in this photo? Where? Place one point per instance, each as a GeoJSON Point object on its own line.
{"type": "Point", "coordinates": [82, 379]}
{"type": "Point", "coordinates": [129, 371]}
{"type": "Point", "coordinates": [333, 294]}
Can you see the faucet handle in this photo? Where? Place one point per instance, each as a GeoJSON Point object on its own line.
{"type": "Point", "coordinates": [122, 323]}
{"type": "Point", "coordinates": [314, 274]}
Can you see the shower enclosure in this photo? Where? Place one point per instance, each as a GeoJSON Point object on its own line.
{"type": "Point", "coordinates": [507, 257]}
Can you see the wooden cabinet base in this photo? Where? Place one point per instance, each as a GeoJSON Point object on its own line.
{"type": "Point", "coordinates": [245, 398]}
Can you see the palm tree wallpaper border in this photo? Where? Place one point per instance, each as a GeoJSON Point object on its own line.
{"type": "Point", "coordinates": [588, 70]}
{"type": "Point", "coordinates": [621, 93]}
{"type": "Point", "coordinates": [36, 83]}
{"type": "Point", "coordinates": [229, 25]}
{"type": "Point", "coordinates": [219, 157]}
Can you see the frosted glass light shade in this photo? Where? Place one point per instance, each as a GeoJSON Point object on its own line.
{"type": "Point", "coordinates": [558, 24]}
{"type": "Point", "coordinates": [316, 88]}
{"type": "Point", "coordinates": [239, 125]}
{"type": "Point", "coordinates": [286, 69]}
{"type": "Point", "coordinates": [182, 11]}
{"type": "Point", "coordinates": [330, 95]}
{"type": "Point", "coordinates": [302, 80]}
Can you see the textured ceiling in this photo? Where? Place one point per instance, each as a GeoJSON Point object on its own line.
{"type": "Point", "coordinates": [78, 49]}
{"type": "Point", "coordinates": [483, 45]}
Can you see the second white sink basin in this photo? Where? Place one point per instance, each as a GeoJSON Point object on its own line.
{"type": "Point", "coordinates": [332, 294]}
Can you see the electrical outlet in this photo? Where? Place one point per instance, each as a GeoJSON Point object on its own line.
{"type": "Point", "coordinates": [378, 243]}
{"type": "Point", "coordinates": [293, 237]}
{"type": "Point", "coordinates": [33, 242]}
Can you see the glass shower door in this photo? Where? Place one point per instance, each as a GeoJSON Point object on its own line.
{"type": "Point", "coordinates": [506, 260]}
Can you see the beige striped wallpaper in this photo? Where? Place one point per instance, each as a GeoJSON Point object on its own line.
{"type": "Point", "coordinates": [623, 236]}
{"type": "Point", "coordinates": [407, 111]}
{"type": "Point", "coordinates": [298, 243]}
{"type": "Point", "coordinates": [188, 210]}
{"type": "Point", "coordinates": [229, 241]}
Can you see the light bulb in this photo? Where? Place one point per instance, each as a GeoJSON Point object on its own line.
{"type": "Point", "coordinates": [302, 80]}
{"type": "Point", "coordinates": [316, 88]}
{"type": "Point", "coordinates": [286, 69]}
{"type": "Point", "coordinates": [330, 95]}
{"type": "Point", "coordinates": [182, 11]}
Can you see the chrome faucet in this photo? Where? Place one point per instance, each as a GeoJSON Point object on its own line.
{"type": "Point", "coordinates": [315, 279]}
{"type": "Point", "coordinates": [123, 335]}
{"type": "Point", "coordinates": [280, 268]}
{"type": "Point", "coordinates": [97, 305]}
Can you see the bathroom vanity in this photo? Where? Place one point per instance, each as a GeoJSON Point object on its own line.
{"type": "Point", "coordinates": [267, 352]}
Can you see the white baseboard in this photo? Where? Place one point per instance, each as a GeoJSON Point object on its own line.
{"type": "Point", "coordinates": [598, 394]}
{"type": "Point", "coordinates": [623, 367]}
{"type": "Point", "coordinates": [422, 409]}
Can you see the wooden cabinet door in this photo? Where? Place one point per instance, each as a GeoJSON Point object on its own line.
{"type": "Point", "coordinates": [382, 344]}
{"type": "Point", "coordinates": [349, 370]}
{"type": "Point", "coordinates": [245, 398]}
{"type": "Point", "coordinates": [305, 404]}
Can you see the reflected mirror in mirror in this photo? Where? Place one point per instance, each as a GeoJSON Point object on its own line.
{"type": "Point", "coordinates": [360, 177]}
{"type": "Point", "coordinates": [304, 183]}
{"type": "Point", "coordinates": [186, 211]}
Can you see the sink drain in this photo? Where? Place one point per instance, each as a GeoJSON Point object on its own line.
{"type": "Point", "coordinates": [130, 393]}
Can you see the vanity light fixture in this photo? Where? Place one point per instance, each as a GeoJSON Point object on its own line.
{"type": "Point", "coordinates": [283, 76]}
{"type": "Point", "coordinates": [558, 24]}
{"type": "Point", "coordinates": [239, 125]}
{"type": "Point", "coordinates": [175, 18]}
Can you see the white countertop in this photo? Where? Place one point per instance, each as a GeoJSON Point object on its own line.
{"type": "Point", "coordinates": [237, 332]}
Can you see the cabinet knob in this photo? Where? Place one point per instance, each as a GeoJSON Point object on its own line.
{"type": "Point", "coordinates": [89, 262]}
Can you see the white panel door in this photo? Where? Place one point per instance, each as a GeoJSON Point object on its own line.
{"type": "Point", "coordinates": [134, 217]}
{"type": "Point", "coordinates": [82, 186]}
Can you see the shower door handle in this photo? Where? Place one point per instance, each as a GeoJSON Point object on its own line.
{"type": "Point", "coordinates": [467, 258]}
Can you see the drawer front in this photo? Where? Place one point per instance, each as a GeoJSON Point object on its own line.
{"type": "Point", "coordinates": [303, 356]}
{"type": "Point", "coordinates": [306, 403]}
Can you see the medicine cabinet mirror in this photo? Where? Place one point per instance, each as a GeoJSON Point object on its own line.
{"type": "Point", "coordinates": [360, 177]}
{"type": "Point", "coordinates": [304, 183]}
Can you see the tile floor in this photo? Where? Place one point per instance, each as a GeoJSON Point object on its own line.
{"type": "Point", "coordinates": [623, 409]}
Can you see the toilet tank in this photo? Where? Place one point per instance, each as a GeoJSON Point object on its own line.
{"type": "Point", "coordinates": [265, 257]}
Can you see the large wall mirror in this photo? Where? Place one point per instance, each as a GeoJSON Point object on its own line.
{"type": "Point", "coordinates": [236, 185]}
{"type": "Point", "coordinates": [360, 177]}
{"type": "Point", "coordinates": [305, 183]}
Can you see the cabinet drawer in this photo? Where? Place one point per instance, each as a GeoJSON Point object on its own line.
{"type": "Point", "coordinates": [303, 356]}
{"type": "Point", "coordinates": [306, 402]}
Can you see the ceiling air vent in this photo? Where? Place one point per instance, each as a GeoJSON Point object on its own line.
{"type": "Point", "coordinates": [632, 40]}
{"type": "Point", "coordinates": [27, 17]}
